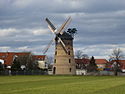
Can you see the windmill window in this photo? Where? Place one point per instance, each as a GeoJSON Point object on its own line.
{"type": "Point", "coordinates": [56, 53]}
{"type": "Point", "coordinates": [70, 70]}
{"type": "Point", "coordinates": [69, 60]}
{"type": "Point", "coordinates": [68, 43]}
{"type": "Point", "coordinates": [68, 52]}
{"type": "Point", "coordinates": [55, 61]}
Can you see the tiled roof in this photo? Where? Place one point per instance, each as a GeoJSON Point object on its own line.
{"type": "Point", "coordinates": [8, 57]}
{"type": "Point", "coordinates": [84, 61]}
{"type": "Point", "coordinates": [101, 61]}
{"type": "Point", "coordinates": [121, 62]}
{"type": "Point", "coordinates": [39, 57]}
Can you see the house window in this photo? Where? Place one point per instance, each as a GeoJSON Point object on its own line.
{"type": "Point", "coordinates": [45, 64]}
{"type": "Point", "coordinates": [70, 70]}
{"type": "Point", "coordinates": [69, 60]}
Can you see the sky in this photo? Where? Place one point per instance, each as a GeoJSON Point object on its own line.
{"type": "Point", "coordinates": [100, 25]}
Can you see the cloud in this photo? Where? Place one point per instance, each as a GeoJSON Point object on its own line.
{"type": "Point", "coordinates": [101, 50]}
{"type": "Point", "coordinates": [7, 32]}
{"type": "Point", "coordinates": [100, 24]}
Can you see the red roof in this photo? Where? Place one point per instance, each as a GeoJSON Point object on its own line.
{"type": "Point", "coordinates": [121, 62]}
{"type": "Point", "coordinates": [39, 57]}
{"type": "Point", "coordinates": [101, 61]}
{"type": "Point", "coordinates": [8, 57]}
{"type": "Point", "coordinates": [84, 61]}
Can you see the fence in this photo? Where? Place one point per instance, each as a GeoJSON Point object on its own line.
{"type": "Point", "coordinates": [24, 72]}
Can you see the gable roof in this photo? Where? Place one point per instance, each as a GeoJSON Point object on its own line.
{"type": "Point", "coordinates": [101, 61]}
{"type": "Point", "coordinates": [39, 57]}
{"type": "Point", "coordinates": [86, 61]}
{"type": "Point", "coordinates": [82, 61]}
{"type": "Point", "coordinates": [121, 62]}
{"type": "Point", "coordinates": [8, 57]}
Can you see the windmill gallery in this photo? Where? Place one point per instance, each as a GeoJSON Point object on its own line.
{"type": "Point", "coordinates": [64, 62]}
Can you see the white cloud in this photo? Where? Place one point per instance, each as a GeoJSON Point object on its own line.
{"type": "Point", "coordinates": [22, 3]}
{"type": "Point", "coordinates": [7, 32]}
{"type": "Point", "coordinates": [5, 48]}
{"type": "Point", "coordinates": [40, 31]}
{"type": "Point", "coordinates": [23, 48]}
{"type": "Point", "coordinates": [14, 31]}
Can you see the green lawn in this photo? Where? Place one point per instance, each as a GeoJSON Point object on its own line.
{"type": "Point", "coordinates": [62, 85]}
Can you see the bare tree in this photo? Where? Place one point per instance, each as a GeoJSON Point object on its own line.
{"type": "Point", "coordinates": [85, 56]}
{"type": "Point", "coordinates": [116, 56]}
{"type": "Point", "coordinates": [79, 54]}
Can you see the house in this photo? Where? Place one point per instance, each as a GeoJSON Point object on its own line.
{"type": "Point", "coordinates": [81, 66]}
{"type": "Point", "coordinates": [101, 63]}
{"type": "Point", "coordinates": [82, 63]}
{"type": "Point", "coordinates": [121, 64]}
{"type": "Point", "coordinates": [42, 61]}
{"type": "Point", "coordinates": [7, 59]}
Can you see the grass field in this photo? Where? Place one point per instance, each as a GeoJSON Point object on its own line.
{"type": "Point", "coordinates": [62, 85]}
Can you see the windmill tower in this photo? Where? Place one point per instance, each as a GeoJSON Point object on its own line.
{"type": "Point", "coordinates": [64, 63]}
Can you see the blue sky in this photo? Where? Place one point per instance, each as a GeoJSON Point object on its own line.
{"type": "Point", "coordinates": [100, 25]}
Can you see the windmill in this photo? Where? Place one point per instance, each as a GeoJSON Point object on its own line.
{"type": "Point", "coordinates": [64, 62]}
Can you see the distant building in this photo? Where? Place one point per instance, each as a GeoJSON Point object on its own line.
{"type": "Point", "coordinates": [81, 65]}
{"type": "Point", "coordinates": [121, 64]}
{"type": "Point", "coordinates": [8, 57]}
{"type": "Point", "coordinates": [42, 61]}
{"type": "Point", "coordinates": [101, 63]}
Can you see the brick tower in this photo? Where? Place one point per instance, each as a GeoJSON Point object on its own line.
{"type": "Point", "coordinates": [64, 63]}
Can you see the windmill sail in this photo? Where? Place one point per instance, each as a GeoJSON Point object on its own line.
{"type": "Point", "coordinates": [48, 46]}
{"type": "Point", "coordinates": [63, 45]}
{"type": "Point", "coordinates": [59, 31]}
{"type": "Point", "coordinates": [50, 25]}
{"type": "Point", "coordinates": [66, 23]}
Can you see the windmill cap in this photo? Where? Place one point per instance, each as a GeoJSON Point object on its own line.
{"type": "Point", "coordinates": [66, 36]}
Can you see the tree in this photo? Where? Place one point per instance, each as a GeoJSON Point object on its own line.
{"type": "Point", "coordinates": [26, 60]}
{"type": "Point", "coordinates": [16, 65]}
{"type": "Point", "coordinates": [85, 56]}
{"type": "Point", "coordinates": [72, 31]}
{"type": "Point", "coordinates": [79, 54]}
{"type": "Point", "coordinates": [1, 66]}
{"type": "Point", "coordinates": [92, 67]}
{"type": "Point", "coordinates": [116, 56]}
